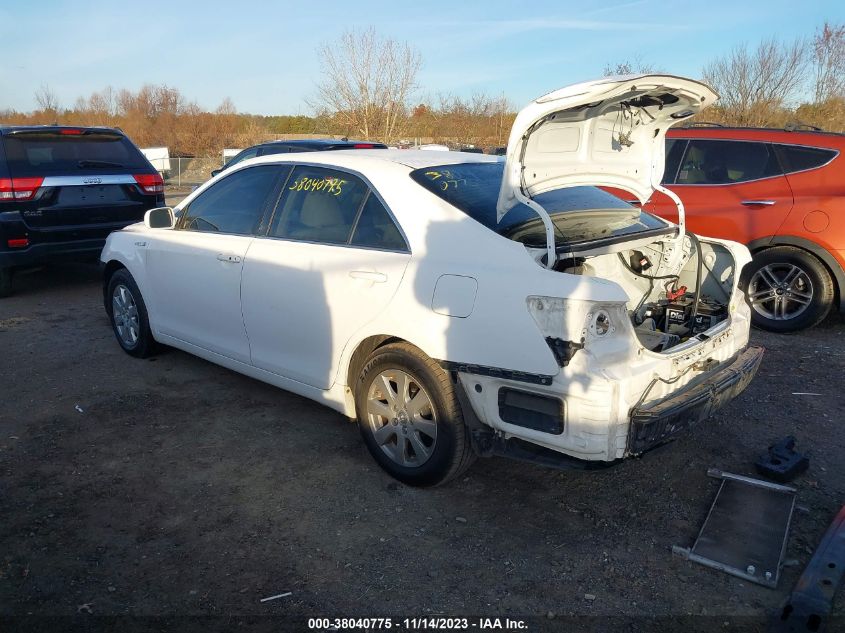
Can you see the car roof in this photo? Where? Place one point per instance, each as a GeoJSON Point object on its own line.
{"type": "Point", "coordinates": [412, 158]}
{"type": "Point", "coordinates": [772, 135]}
{"type": "Point", "coordinates": [318, 142]}
{"type": "Point", "coordinates": [49, 128]}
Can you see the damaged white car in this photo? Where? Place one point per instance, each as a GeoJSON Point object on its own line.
{"type": "Point", "coordinates": [454, 304]}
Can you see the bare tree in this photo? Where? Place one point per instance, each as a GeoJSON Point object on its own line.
{"type": "Point", "coordinates": [103, 102]}
{"type": "Point", "coordinates": [477, 120]}
{"type": "Point", "coordinates": [502, 112]}
{"type": "Point", "coordinates": [46, 99]}
{"type": "Point", "coordinates": [755, 86]}
{"type": "Point", "coordinates": [630, 67]}
{"type": "Point", "coordinates": [367, 81]}
{"type": "Point", "coordinates": [829, 62]}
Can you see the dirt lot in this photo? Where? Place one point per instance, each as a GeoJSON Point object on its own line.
{"type": "Point", "coordinates": [172, 487]}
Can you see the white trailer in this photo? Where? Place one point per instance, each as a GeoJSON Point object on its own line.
{"type": "Point", "coordinates": [160, 159]}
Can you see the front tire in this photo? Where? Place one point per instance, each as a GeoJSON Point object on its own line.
{"type": "Point", "coordinates": [128, 315]}
{"type": "Point", "coordinates": [410, 417]}
{"type": "Point", "coordinates": [789, 289]}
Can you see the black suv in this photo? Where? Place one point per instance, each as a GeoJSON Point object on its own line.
{"type": "Point", "coordinates": [64, 189]}
{"type": "Point", "coordinates": [307, 145]}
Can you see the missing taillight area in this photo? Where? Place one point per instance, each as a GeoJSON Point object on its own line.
{"type": "Point", "coordinates": [150, 183]}
{"type": "Point", "coordinates": [19, 189]}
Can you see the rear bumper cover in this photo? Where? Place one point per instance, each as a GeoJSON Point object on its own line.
{"type": "Point", "coordinates": [55, 243]}
{"type": "Point", "coordinates": [660, 422]}
{"type": "Point", "coordinates": [52, 251]}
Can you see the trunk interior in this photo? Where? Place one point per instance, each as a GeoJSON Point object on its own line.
{"type": "Point", "coordinates": [667, 305]}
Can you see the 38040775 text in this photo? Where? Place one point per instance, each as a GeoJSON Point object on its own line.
{"type": "Point", "coordinates": [417, 624]}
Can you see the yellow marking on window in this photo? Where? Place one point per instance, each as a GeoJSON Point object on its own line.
{"type": "Point", "coordinates": [333, 186]}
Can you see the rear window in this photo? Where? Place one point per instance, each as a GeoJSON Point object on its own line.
{"type": "Point", "coordinates": [580, 214]}
{"type": "Point", "coordinates": [800, 158]}
{"type": "Point", "coordinates": [40, 153]}
{"type": "Point", "coordinates": [723, 162]}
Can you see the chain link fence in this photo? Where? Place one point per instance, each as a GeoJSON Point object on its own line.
{"type": "Point", "coordinates": [187, 172]}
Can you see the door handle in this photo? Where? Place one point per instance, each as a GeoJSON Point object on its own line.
{"type": "Point", "coordinates": [229, 258]}
{"type": "Point", "coordinates": [368, 275]}
{"type": "Point", "coordinates": [758, 203]}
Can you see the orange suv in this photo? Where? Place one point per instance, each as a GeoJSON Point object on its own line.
{"type": "Point", "coordinates": [780, 192]}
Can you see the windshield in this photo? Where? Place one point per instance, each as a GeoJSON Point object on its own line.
{"type": "Point", "coordinates": [580, 214]}
{"type": "Point", "coordinates": [250, 152]}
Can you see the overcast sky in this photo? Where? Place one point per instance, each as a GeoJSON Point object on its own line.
{"type": "Point", "coordinates": [263, 54]}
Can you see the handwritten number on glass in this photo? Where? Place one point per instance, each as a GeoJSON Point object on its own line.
{"type": "Point", "coordinates": [332, 186]}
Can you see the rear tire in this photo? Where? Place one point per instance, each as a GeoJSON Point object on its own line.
{"type": "Point", "coordinates": [128, 315]}
{"type": "Point", "coordinates": [6, 275]}
{"type": "Point", "coordinates": [788, 288]}
{"type": "Point", "coordinates": [410, 417]}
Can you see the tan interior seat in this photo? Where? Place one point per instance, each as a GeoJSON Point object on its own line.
{"type": "Point", "coordinates": [319, 219]}
{"type": "Point", "coordinates": [691, 172]}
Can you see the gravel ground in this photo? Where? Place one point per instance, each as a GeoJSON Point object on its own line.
{"type": "Point", "coordinates": [172, 487]}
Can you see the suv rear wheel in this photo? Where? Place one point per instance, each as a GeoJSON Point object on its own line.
{"type": "Point", "coordinates": [789, 289]}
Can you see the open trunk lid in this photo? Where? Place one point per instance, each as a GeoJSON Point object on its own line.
{"type": "Point", "coordinates": [609, 132]}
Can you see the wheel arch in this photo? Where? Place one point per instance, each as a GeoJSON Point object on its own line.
{"type": "Point", "coordinates": [358, 358]}
{"type": "Point", "coordinates": [109, 269]}
{"type": "Point", "coordinates": [822, 254]}
{"type": "Point", "coordinates": [363, 350]}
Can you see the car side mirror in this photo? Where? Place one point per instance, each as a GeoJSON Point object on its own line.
{"type": "Point", "coordinates": [159, 218]}
{"type": "Point", "coordinates": [214, 172]}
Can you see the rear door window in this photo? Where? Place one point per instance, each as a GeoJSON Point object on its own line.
{"type": "Point", "coordinates": [319, 205]}
{"type": "Point", "coordinates": [797, 158]}
{"type": "Point", "coordinates": [725, 162]}
{"type": "Point", "coordinates": [50, 152]}
{"type": "Point", "coordinates": [235, 204]}
{"type": "Point", "coordinates": [376, 229]}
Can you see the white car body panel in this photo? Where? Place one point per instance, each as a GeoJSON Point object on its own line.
{"type": "Point", "coordinates": [196, 296]}
{"type": "Point", "coordinates": [294, 313]}
{"type": "Point", "coordinates": [322, 296]}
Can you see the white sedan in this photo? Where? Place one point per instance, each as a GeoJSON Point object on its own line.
{"type": "Point", "coordinates": [454, 304]}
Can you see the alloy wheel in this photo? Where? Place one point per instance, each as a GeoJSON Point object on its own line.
{"type": "Point", "coordinates": [780, 291]}
{"type": "Point", "coordinates": [401, 418]}
{"type": "Point", "coordinates": [125, 315]}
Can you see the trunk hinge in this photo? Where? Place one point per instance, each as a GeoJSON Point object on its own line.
{"type": "Point", "coordinates": [678, 248]}
{"type": "Point", "coordinates": [551, 251]}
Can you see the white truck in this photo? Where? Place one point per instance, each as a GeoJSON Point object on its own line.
{"type": "Point", "coordinates": [160, 159]}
